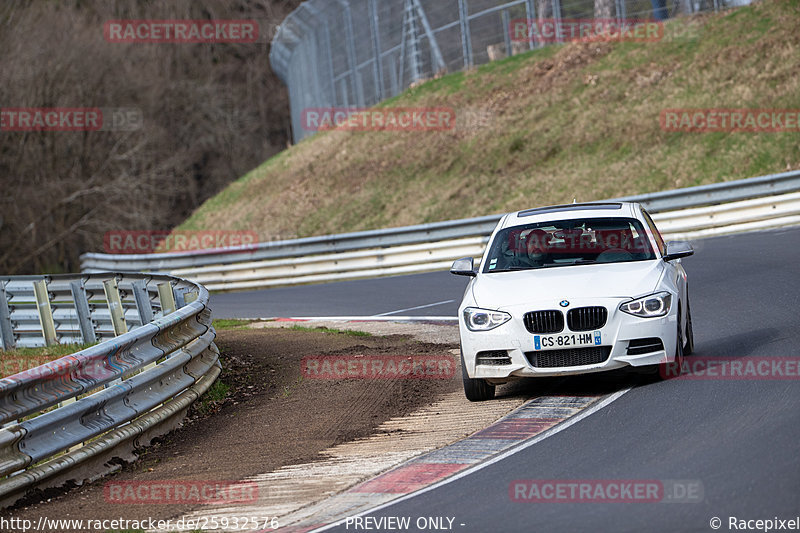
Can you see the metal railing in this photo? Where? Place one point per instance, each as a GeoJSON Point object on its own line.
{"type": "Point", "coordinates": [695, 212]}
{"type": "Point", "coordinates": [356, 53]}
{"type": "Point", "coordinates": [68, 419]}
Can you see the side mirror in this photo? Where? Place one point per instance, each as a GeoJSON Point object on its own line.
{"type": "Point", "coordinates": [464, 267]}
{"type": "Point", "coordinates": [677, 250]}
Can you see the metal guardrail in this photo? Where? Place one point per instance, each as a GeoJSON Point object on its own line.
{"type": "Point", "coordinates": [694, 212]}
{"type": "Point", "coordinates": [67, 419]}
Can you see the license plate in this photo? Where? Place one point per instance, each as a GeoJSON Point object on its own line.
{"type": "Point", "coordinates": [570, 340]}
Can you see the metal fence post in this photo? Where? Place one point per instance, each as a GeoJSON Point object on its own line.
{"type": "Point", "coordinates": [436, 52]}
{"type": "Point", "coordinates": [507, 33]}
{"type": "Point", "coordinates": [6, 327]}
{"type": "Point", "coordinates": [323, 22]}
{"type": "Point", "coordinates": [413, 43]}
{"type": "Point", "coordinates": [377, 48]}
{"type": "Point", "coordinates": [530, 12]}
{"type": "Point", "coordinates": [351, 53]}
{"type": "Point", "coordinates": [466, 38]}
{"type": "Point", "coordinates": [82, 310]}
{"type": "Point", "coordinates": [557, 20]}
{"type": "Point", "coordinates": [45, 312]}
{"type": "Point", "coordinates": [331, 74]}
{"type": "Point", "coordinates": [115, 307]}
{"type": "Point", "coordinates": [345, 97]}
{"type": "Point", "coordinates": [402, 69]}
{"type": "Point", "coordinates": [393, 76]}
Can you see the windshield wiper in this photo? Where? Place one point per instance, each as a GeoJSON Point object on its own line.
{"type": "Point", "coordinates": [510, 269]}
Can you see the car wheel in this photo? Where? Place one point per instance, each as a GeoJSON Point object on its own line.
{"type": "Point", "coordinates": [666, 371]}
{"type": "Point", "coordinates": [476, 390]}
{"type": "Point", "coordinates": [689, 349]}
{"type": "Point", "coordinates": [676, 368]}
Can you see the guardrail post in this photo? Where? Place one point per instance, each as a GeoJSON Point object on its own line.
{"type": "Point", "coordinates": [142, 302]}
{"type": "Point", "coordinates": [82, 310]}
{"type": "Point", "coordinates": [180, 298]}
{"type": "Point", "coordinates": [7, 340]}
{"type": "Point", "coordinates": [115, 307]}
{"type": "Point", "coordinates": [45, 312]}
{"type": "Point", "coordinates": [167, 298]}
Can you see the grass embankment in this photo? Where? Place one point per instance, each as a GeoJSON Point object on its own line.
{"type": "Point", "coordinates": [571, 121]}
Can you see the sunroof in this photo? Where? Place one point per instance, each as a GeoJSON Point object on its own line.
{"type": "Point", "coordinates": [569, 207]}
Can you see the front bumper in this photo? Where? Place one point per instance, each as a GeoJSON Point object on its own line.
{"type": "Point", "coordinates": [619, 330]}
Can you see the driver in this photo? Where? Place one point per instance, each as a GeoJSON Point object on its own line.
{"type": "Point", "coordinates": [538, 242]}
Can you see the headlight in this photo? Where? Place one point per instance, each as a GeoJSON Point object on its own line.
{"type": "Point", "coordinates": [651, 306]}
{"type": "Point", "coordinates": [484, 319]}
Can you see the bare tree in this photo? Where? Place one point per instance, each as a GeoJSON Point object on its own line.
{"type": "Point", "coordinates": [211, 112]}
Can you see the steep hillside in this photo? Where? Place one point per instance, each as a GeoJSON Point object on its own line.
{"type": "Point", "coordinates": [571, 121]}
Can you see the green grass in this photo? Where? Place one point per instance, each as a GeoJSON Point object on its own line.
{"type": "Point", "coordinates": [543, 127]}
{"type": "Point", "coordinates": [333, 331]}
{"type": "Point", "coordinates": [21, 359]}
{"type": "Point", "coordinates": [212, 398]}
{"type": "Point", "coordinates": [230, 324]}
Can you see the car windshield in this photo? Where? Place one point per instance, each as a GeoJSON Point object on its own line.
{"type": "Point", "coordinates": [567, 243]}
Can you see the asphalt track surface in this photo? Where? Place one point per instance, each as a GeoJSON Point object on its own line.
{"type": "Point", "coordinates": [740, 439]}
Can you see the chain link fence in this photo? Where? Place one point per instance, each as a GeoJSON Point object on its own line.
{"type": "Point", "coordinates": [356, 53]}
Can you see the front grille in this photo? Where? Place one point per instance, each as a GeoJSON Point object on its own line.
{"type": "Point", "coordinates": [587, 318]}
{"type": "Point", "coordinates": [544, 321]}
{"type": "Point", "coordinates": [568, 357]}
{"type": "Point", "coordinates": [494, 357]}
{"type": "Point", "coordinates": [643, 346]}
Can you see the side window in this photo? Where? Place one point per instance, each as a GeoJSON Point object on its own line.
{"type": "Point", "coordinates": [657, 234]}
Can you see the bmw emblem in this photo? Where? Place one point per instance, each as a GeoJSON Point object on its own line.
{"type": "Point", "coordinates": [564, 303]}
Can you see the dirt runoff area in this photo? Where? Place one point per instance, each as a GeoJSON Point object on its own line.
{"type": "Point", "coordinates": [284, 396]}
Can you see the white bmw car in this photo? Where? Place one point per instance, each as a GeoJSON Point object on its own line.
{"type": "Point", "coordinates": [573, 289]}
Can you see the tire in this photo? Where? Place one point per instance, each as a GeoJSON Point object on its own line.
{"type": "Point", "coordinates": [689, 349]}
{"type": "Point", "coordinates": [476, 390]}
{"type": "Point", "coordinates": [665, 371]}
{"type": "Point", "coordinates": [676, 368]}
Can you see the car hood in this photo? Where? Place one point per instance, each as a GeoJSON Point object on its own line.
{"type": "Point", "coordinates": [613, 280]}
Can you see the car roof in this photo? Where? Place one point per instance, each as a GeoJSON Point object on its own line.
{"type": "Point", "coordinates": [570, 211]}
